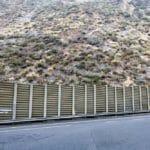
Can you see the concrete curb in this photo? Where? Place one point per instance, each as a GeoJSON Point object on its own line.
{"type": "Point", "coordinates": [65, 118]}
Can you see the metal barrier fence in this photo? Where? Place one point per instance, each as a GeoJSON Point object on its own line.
{"type": "Point", "coordinates": [26, 102]}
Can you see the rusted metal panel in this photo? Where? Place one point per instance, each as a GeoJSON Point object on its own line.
{"type": "Point", "coordinates": [38, 101]}
{"type": "Point", "coordinates": [22, 104]}
{"type": "Point", "coordinates": [66, 101]}
{"type": "Point", "coordinates": [52, 100]}
{"type": "Point", "coordinates": [100, 99]}
{"type": "Point", "coordinates": [80, 99]}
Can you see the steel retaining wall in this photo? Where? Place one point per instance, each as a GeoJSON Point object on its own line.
{"type": "Point", "coordinates": [28, 101]}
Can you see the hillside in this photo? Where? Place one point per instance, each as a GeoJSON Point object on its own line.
{"type": "Point", "coordinates": [75, 41]}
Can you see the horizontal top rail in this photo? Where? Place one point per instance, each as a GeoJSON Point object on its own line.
{"type": "Point", "coordinates": [73, 84]}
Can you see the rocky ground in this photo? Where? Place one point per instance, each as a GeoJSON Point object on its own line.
{"type": "Point", "coordinates": [75, 41]}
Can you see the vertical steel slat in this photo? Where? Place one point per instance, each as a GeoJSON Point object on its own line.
{"type": "Point", "coordinates": [94, 99]}
{"type": "Point", "coordinates": [116, 99]}
{"type": "Point", "coordinates": [14, 101]}
{"type": "Point", "coordinates": [107, 98]}
{"type": "Point", "coordinates": [141, 107]}
{"type": "Point", "coordinates": [133, 108]}
{"type": "Point", "coordinates": [59, 99]}
{"type": "Point", "coordinates": [30, 101]}
{"type": "Point", "coordinates": [45, 101]}
{"type": "Point", "coordinates": [73, 100]}
{"type": "Point", "coordinates": [148, 97]}
{"type": "Point", "coordinates": [85, 104]}
{"type": "Point", "coordinates": [124, 99]}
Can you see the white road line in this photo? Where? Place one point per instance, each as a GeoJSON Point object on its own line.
{"type": "Point", "coordinates": [29, 129]}
{"type": "Point", "coordinates": [58, 125]}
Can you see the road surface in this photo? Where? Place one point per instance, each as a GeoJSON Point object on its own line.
{"type": "Point", "coordinates": [129, 133]}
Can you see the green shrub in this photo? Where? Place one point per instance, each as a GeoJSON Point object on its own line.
{"type": "Point", "coordinates": [39, 46]}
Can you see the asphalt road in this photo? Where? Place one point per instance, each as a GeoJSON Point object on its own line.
{"type": "Point", "coordinates": [131, 133]}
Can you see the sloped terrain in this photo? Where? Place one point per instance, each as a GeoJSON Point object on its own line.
{"type": "Point", "coordinates": [75, 41]}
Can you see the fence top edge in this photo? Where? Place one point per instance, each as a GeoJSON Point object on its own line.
{"type": "Point", "coordinates": [83, 84]}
